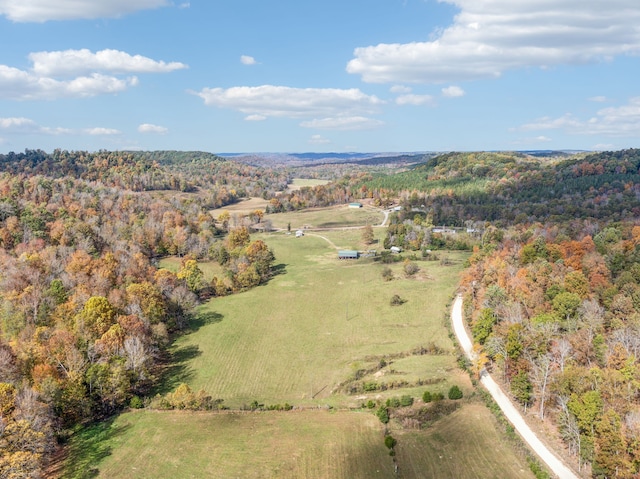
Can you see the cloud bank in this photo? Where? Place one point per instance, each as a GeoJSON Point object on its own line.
{"type": "Point", "coordinates": [489, 37]}
{"type": "Point", "coordinates": [327, 107]}
{"type": "Point", "coordinates": [45, 10]}
{"type": "Point", "coordinates": [77, 74]}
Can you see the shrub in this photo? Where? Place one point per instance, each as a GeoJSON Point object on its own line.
{"type": "Point", "coordinates": [390, 442]}
{"type": "Point", "coordinates": [136, 403]}
{"type": "Point", "coordinates": [387, 274]}
{"type": "Point", "coordinates": [455, 392]}
{"type": "Point", "coordinates": [410, 268]}
{"type": "Point", "coordinates": [383, 414]}
{"type": "Point", "coordinates": [371, 386]}
{"type": "Point", "coordinates": [393, 402]}
{"type": "Point", "coordinates": [396, 300]}
{"type": "Point", "coordinates": [426, 396]}
{"type": "Point", "coordinates": [437, 396]}
{"type": "Point", "coordinates": [406, 400]}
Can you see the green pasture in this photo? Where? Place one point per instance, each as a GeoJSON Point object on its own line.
{"type": "Point", "coordinates": [310, 444]}
{"type": "Point", "coordinates": [318, 327]}
{"type": "Point", "coordinates": [330, 217]}
{"type": "Point", "coordinates": [316, 323]}
{"type": "Point", "coordinates": [279, 445]}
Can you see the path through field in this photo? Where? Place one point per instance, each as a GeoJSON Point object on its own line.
{"type": "Point", "coordinates": [509, 410]}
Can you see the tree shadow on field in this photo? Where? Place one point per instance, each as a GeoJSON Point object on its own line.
{"type": "Point", "coordinates": [177, 370]}
{"type": "Point", "coordinates": [175, 367]}
{"type": "Point", "coordinates": [279, 269]}
{"type": "Point", "coordinates": [88, 447]}
{"type": "Point", "coordinates": [201, 319]}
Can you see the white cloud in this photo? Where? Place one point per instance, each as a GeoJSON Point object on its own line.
{"type": "Point", "coordinates": [598, 99]}
{"type": "Point", "coordinates": [26, 126]}
{"type": "Point", "coordinates": [453, 92]}
{"type": "Point", "coordinates": [282, 101]}
{"type": "Point", "coordinates": [247, 60]}
{"type": "Point", "coordinates": [149, 128]}
{"type": "Point", "coordinates": [400, 89]}
{"type": "Point", "coordinates": [255, 118]}
{"type": "Point", "coordinates": [318, 140]}
{"type": "Point", "coordinates": [98, 131]}
{"type": "Point", "coordinates": [21, 85]}
{"type": "Point", "coordinates": [489, 37]}
{"type": "Point", "coordinates": [621, 121]}
{"type": "Point", "coordinates": [78, 62]}
{"type": "Point", "coordinates": [76, 73]}
{"type": "Point", "coordinates": [44, 10]}
{"type": "Point", "coordinates": [349, 123]}
{"type": "Point", "coordinates": [415, 100]}
{"type": "Point", "coordinates": [184, 5]}
{"type": "Point", "coordinates": [19, 125]}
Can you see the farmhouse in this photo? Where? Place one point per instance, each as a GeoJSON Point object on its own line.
{"type": "Point", "coordinates": [355, 205]}
{"type": "Point", "coordinates": [348, 254]}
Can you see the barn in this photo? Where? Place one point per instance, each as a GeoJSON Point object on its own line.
{"type": "Point", "coordinates": [348, 254]}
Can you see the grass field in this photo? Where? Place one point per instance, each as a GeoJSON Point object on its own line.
{"type": "Point", "coordinates": [306, 332]}
{"type": "Point", "coordinates": [292, 445]}
{"type": "Point", "coordinates": [462, 445]}
{"type": "Point", "coordinates": [302, 339]}
{"type": "Point", "coordinates": [298, 444]}
{"type": "Point", "coordinates": [330, 217]}
{"type": "Point", "coordinates": [298, 183]}
{"type": "Point", "coordinates": [243, 207]}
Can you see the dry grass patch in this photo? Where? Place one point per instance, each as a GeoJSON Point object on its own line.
{"type": "Point", "coordinates": [243, 207]}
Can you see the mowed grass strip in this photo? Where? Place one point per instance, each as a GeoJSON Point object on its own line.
{"type": "Point", "coordinates": [463, 445]}
{"type": "Point", "coordinates": [311, 327]}
{"type": "Point", "coordinates": [174, 445]}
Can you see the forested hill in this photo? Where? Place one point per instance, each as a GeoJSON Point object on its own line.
{"type": "Point", "coordinates": [514, 187]}
{"type": "Point", "coordinates": [223, 180]}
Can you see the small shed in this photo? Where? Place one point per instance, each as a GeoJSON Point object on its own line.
{"type": "Point", "coordinates": [299, 233]}
{"type": "Point", "coordinates": [395, 249]}
{"type": "Point", "coordinates": [348, 254]}
{"type": "Point", "coordinates": [355, 205]}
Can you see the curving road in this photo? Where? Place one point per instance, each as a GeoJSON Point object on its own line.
{"type": "Point", "coordinates": [509, 410]}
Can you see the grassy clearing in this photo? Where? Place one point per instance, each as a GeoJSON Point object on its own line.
{"type": "Point", "coordinates": [298, 183]}
{"type": "Point", "coordinates": [311, 328]}
{"type": "Point", "coordinates": [464, 445]}
{"type": "Point", "coordinates": [209, 268]}
{"type": "Point", "coordinates": [331, 217]}
{"type": "Point", "coordinates": [243, 207]}
{"type": "Point", "coordinates": [309, 444]}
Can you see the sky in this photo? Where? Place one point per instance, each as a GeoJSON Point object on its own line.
{"type": "Point", "coordinates": [334, 76]}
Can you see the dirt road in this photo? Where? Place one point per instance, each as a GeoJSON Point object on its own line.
{"type": "Point", "coordinates": [509, 410]}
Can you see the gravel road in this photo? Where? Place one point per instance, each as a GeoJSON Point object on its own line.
{"type": "Point", "coordinates": [509, 410]}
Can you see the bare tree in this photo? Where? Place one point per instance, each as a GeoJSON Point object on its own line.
{"type": "Point", "coordinates": [137, 355]}
{"type": "Point", "coordinates": [561, 351]}
{"type": "Point", "coordinates": [542, 371]}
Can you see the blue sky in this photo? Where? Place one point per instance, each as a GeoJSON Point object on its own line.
{"type": "Point", "coordinates": [295, 76]}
